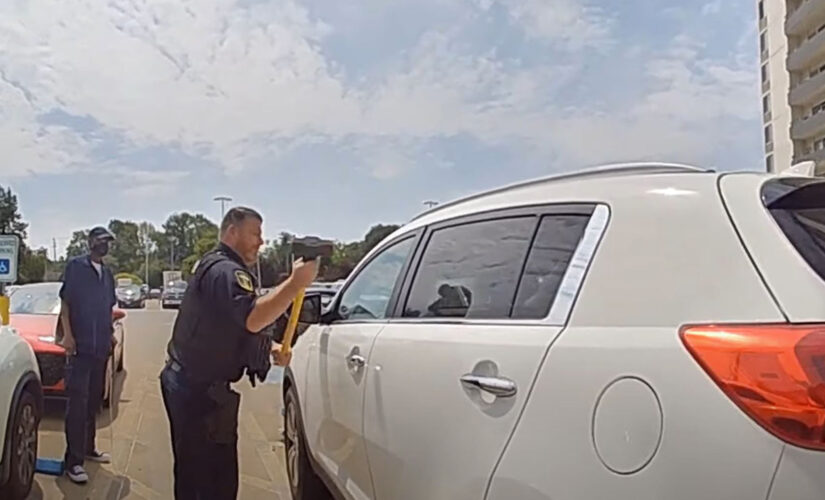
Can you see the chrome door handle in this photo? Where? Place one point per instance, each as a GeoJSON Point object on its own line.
{"type": "Point", "coordinates": [497, 386]}
{"type": "Point", "coordinates": [356, 361]}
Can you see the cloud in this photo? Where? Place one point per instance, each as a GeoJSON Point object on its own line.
{"type": "Point", "coordinates": [574, 23]}
{"type": "Point", "coordinates": [241, 84]}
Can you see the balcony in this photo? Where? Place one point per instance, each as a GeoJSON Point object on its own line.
{"type": "Point", "coordinates": [766, 86]}
{"type": "Point", "coordinates": [817, 156]}
{"type": "Point", "coordinates": [769, 148]}
{"type": "Point", "coordinates": [808, 16]}
{"type": "Point", "coordinates": [763, 23]}
{"type": "Point", "coordinates": [767, 116]}
{"type": "Point", "coordinates": [811, 50]}
{"type": "Point", "coordinates": [808, 91]}
{"type": "Point", "coordinates": [807, 129]}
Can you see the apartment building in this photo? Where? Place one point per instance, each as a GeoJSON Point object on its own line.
{"type": "Point", "coordinates": [792, 58]}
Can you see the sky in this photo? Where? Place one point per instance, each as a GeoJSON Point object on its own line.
{"type": "Point", "coordinates": [331, 116]}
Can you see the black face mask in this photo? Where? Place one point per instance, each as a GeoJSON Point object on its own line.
{"type": "Point", "coordinates": [101, 248]}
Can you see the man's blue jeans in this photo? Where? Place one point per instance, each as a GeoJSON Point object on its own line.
{"type": "Point", "coordinates": [84, 387]}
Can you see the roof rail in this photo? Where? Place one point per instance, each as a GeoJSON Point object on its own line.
{"type": "Point", "coordinates": [609, 170]}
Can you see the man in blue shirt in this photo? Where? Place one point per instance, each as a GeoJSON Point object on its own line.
{"type": "Point", "coordinates": [88, 296]}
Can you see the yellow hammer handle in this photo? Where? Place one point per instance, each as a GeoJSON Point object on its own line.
{"type": "Point", "coordinates": [292, 325]}
{"type": "Point", "coordinates": [4, 309]}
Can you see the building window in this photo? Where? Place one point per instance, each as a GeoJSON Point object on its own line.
{"type": "Point", "coordinates": [766, 105]}
{"type": "Point", "coordinates": [768, 134]}
{"type": "Point", "coordinates": [819, 145]}
{"type": "Point", "coordinates": [762, 10]}
{"type": "Point", "coordinates": [769, 162]}
{"type": "Point", "coordinates": [763, 42]}
{"type": "Point", "coordinates": [818, 108]}
{"type": "Point", "coordinates": [764, 73]}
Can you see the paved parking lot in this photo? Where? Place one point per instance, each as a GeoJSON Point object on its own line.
{"type": "Point", "coordinates": [142, 456]}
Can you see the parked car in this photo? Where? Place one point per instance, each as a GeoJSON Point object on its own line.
{"type": "Point", "coordinates": [130, 297]}
{"type": "Point", "coordinates": [154, 293]}
{"type": "Point", "coordinates": [172, 295]}
{"type": "Point", "coordinates": [21, 406]}
{"type": "Point", "coordinates": [35, 311]}
{"type": "Point", "coordinates": [636, 331]}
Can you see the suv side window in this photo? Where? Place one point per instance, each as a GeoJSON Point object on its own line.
{"type": "Point", "coordinates": [553, 248]}
{"type": "Point", "coordinates": [471, 270]}
{"type": "Point", "coordinates": [368, 296]}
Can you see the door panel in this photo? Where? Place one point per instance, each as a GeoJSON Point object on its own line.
{"type": "Point", "coordinates": [339, 363]}
{"type": "Point", "coordinates": [428, 435]}
{"type": "Point", "coordinates": [333, 406]}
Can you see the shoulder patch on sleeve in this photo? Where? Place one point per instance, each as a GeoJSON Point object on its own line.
{"type": "Point", "coordinates": [244, 281]}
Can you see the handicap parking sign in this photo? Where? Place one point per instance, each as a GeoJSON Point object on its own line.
{"type": "Point", "coordinates": [9, 246]}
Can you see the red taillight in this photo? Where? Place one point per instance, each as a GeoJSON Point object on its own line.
{"type": "Point", "coordinates": [775, 373]}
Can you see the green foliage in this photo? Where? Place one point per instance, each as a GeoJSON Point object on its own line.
{"type": "Point", "coordinates": [33, 265]}
{"type": "Point", "coordinates": [11, 222]}
{"type": "Point", "coordinates": [78, 245]}
{"type": "Point", "coordinates": [142, 252]}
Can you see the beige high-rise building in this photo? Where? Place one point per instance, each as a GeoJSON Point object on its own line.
{"type": "Point", "coordinates": [792, 58]}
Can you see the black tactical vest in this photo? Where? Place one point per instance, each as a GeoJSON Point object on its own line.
{"type": "Point", "coordinates": [207, 344]}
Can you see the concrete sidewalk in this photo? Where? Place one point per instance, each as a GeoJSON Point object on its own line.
{"type": "Point", "coordinates": [142, 454]}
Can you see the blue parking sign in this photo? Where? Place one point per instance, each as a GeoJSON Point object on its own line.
{"type": "Point", "coordinates": [5, 266]}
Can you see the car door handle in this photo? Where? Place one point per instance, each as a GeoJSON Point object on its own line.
{"type": "Point", "coordinates": [497, 386]}
{"type": "Point", "coordinates": [356, 361]}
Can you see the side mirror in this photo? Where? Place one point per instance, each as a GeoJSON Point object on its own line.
{"type": "Point", "coordinates": [311, 310]}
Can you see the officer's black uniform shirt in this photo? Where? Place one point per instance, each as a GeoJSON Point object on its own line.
{"type": "Point", "coordinates": [210, 338]}
{"type": "Point", "coordinates": [229, 287]}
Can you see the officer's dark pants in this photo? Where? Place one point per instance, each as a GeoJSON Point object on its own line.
{"type": "Point", "coordinates": [203, 468]}
{"type": "Point", "coordinates": [84, 387]}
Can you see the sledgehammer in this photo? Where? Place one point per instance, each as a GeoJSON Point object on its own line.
{"type": "Point", "coordinates": [308, 248]}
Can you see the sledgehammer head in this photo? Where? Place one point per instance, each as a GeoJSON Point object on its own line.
{"type": "Point", "coordinates": [311, 247]}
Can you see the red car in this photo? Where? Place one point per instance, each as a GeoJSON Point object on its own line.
{"type": "Point", "coordinates": [35, 310]}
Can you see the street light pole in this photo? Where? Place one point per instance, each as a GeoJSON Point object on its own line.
{"type": "Point", "coordinates": [430, 203]}
{"type": "Point", "coordinates": [223, 200]}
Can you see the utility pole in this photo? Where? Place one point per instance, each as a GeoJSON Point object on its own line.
{"type": "Point", "coordinates": [430, 204]}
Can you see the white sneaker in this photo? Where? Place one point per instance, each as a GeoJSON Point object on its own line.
{"type": "Point", "coordinates": [77, 474]}
{"type": "Point", "coordinates": [101, 458]}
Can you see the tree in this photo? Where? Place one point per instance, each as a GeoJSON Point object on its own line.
{"type": "Point", "coordinates": [78, 245]}
{"type": "Point", "coordinates": [376, 235]}
{"type": "Point", "coordinates": [181, 234]}
{"type": "Point", "coordinates": [126, 254]}
{"type": "Point", "coordinates": [33, 265]}
{"type": "Point", "coordinates": [207, 242]}
{"type": "Point", "coordinates": [11, 222]}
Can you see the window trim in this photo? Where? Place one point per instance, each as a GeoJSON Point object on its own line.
{"type": "Point", "coordinates": [560, 310]}
{"type": "Point", "coordinates": [332, 317]}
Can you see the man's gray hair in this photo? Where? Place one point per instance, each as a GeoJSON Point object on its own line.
{"type": "Point", "coordinates": [237, 215]}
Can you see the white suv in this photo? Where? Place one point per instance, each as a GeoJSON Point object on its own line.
{"type": "Point", "coordinates": [21, 405]}
{"type": "Point", "coordinates": [633, 332]}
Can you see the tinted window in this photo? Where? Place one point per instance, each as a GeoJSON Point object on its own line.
{"type": "Point", "coordinates": [799, 209]}
{"type": "Point", "coordinates": [471, 270]}
{"type": "Point", "coordinates": [556, 241]}
{"type": "Point", "coordinates": [368, 296]}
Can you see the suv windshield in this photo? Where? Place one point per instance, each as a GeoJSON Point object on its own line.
{"type": "Point", "coordinates": [798, 206]}
{"type": "Point", "coordinates": [36, 299]}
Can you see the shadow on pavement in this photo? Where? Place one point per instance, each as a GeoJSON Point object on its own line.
{"type": "Point", "coordinates": [102, 484]}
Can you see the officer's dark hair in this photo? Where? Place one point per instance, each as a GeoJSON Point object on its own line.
{"type": "Point", "coordinates": [236, 215]}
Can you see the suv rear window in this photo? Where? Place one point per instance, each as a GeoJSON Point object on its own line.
{"type": "Point", "coordinates": [798, 206]}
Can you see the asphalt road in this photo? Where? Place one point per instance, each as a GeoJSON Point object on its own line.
{"type": "Point", "coordinates": [142, 454]}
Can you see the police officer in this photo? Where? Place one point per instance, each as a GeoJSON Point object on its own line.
{"type": "Point", "coordinates": [220, 313]}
